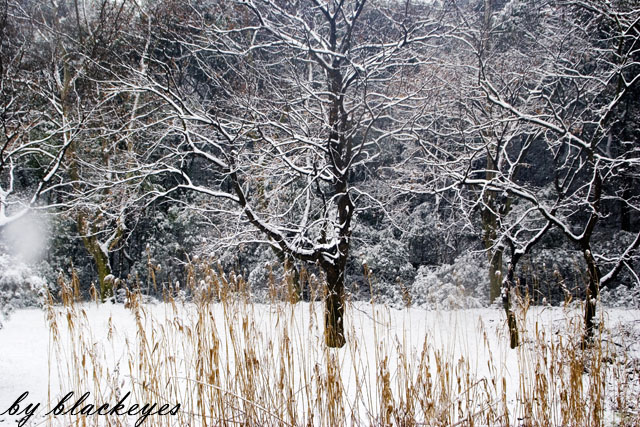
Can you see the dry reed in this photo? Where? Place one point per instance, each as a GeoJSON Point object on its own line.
{"type": "Point", "coordinates": [228, 361]}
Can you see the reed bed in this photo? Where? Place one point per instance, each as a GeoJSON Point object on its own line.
{"type": "Point", "coordinates": [227, 360]}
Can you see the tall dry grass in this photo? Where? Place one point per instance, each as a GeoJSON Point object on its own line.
{"type": "Point", "coordinates": [229, 361]}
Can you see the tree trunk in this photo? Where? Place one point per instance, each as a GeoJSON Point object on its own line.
{"type": "Point", "coordinates": [334, 312]}
{"type": "Point", "coordinates": [489, 225]}
{"type": "Point", "coordinates": [104, 269]}
{"type": "Point", "coordinates": [593, 289]}
{"type": "Point", "coordinates": [102, 266]}
{"type": "Point", "coordinates": [506, 303]}
{"type": "Point", "coordinates": [495, 274]}
{"type": "Point", "coordinates": [101, 259]}
{"type": "Point", "coordinates": [593, 272]}
{"type": "Point", "coordinates": [490, 230]}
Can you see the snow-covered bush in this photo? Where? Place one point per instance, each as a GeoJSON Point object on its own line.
{"type": "Point", "coordinates": [463, 284]}
{"type": "Point", "coordinates": [434, 238]}
{"type": "Point", "coordinates": [20, 286]}
{"type": "Point", "coordinates": [169, 238]}
{"type": "Point", "coordinates": [624, 291]}
{"type": "Point", "coordinates": [621, 297]}
{"type": "Point", "coordinates": [259, 275]}
{"type": "Point", "coordinates": [388, 263]}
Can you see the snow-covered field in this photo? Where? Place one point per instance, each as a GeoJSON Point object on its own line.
{"type": "Point", "coordinates": [237, 361]}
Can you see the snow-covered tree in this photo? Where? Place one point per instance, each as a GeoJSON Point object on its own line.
{"type": "Point", "coordinates": [62, 128]}
{"type": "Point", "coordinates": [31, 156]}
{"type": "Point", "coordinates": [281, 104]}
{"type": "Point", "coordinates": [547, 93]}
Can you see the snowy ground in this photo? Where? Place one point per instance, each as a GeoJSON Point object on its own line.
{"type": "Point", "coordinates": [475, 337]}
